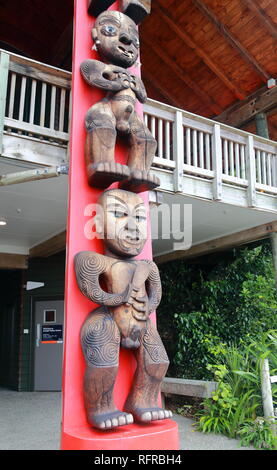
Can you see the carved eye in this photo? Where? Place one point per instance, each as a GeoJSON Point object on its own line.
{"type": "Point", "coordinates": [109, 30]}
{"type": "Point", "coordinates": [140, 218]}
{"type": "Point", "coordinates": [118, 214]}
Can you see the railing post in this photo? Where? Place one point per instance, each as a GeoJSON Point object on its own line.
{"type": "Point", "coordinates": [217, 163]}
{"type": "Point", "coordinates": [4, 72]}
{"type": "Point", "coordinates": [251, 172]}
{"type": "Point", "coordinates": [267, 394]}
{"type": "Point", "coordinates": [178, 151]}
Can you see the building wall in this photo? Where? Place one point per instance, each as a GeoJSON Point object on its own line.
{"type": "Point", "coordinates": [51, 271]}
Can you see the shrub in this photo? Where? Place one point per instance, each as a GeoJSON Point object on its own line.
{"type": "Point", "coordinates": [234, 300]}
{"type": "Point", "coordinates": [236, 407]}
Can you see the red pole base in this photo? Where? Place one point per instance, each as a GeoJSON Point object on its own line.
{"type": "Point", "coordinates": [161, 435]}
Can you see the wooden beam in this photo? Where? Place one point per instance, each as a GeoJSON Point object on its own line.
{"type": "Point", "coordinates": [176, 70]}
{"type": "Point", "coordinates": [260, 102]}
{"type": "Point", "coordinates": [49, 247]}
{"type": "Point", "coordinates": [165, 16]}
{"type": "Point", "coordinates": [222, 243]}
{"type": "Point", "coordinates": [13, 261]}
{"type": "Point", "coordinates": [31, 175]}
{"type": "Point", "coordinates": [265, 20]}
{"type": "Point", "coordinates": [224, 31]}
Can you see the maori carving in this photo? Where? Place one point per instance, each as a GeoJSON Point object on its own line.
{"type": "Point", "coordinates": [128, 290]}
{"type": "Point", "coordinates": [116, 39]}
{"type": "Point", "coordinates": [135, 9]}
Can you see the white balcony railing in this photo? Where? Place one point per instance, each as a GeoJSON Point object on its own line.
{"type": "Point", "coordinates": [36, 101]}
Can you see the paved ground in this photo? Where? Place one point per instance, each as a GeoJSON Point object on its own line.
{"type": "Point", "coordinates": [31, 421]}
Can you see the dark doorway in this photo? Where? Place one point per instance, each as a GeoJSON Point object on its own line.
{"type": "Point", "coordinates": [10, 303]}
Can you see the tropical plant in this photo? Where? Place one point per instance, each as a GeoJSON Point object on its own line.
{"type": "Point", "coordinates": [236, 406]}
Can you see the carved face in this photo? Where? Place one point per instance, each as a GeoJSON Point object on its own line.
{"type": "Point", "coordinates": [116, 38]}
{"type": "Point", "coordinates": [124, 223]}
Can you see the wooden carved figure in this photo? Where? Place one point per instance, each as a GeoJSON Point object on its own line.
{"type": "Point", "coordinates": [128, 290]}
{"type": "Point", "coordinates": [116, 38]}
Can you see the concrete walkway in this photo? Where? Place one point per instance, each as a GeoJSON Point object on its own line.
{"type": "Point", "coordinates": [31, 421]}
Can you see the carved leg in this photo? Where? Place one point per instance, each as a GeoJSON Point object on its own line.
{"type": "Point", "coordinates": [100, 339]}
{"type": "Point", "coordinates": [100, 145]}
{"type": "Point", "coordinates": [142, 151]}
{"type": "Point", "coordinates": [152, 364]}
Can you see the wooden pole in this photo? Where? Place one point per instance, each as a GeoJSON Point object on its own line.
{"type": "Point", "coordinates": [273, 238]}
{"type": "Point", "coordinates": [76, 433]}
{"type": "Point", "coordinates": [261, 125]}
{"type": "Point", "coordinates": [31, 175]}
{"type": "Point", "coordinates": [267, 393]}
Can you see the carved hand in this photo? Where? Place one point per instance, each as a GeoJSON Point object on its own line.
{"type": "Point", "coordinates": [139, 304]}
{"type": "Point", "coordinates": [138, 88]}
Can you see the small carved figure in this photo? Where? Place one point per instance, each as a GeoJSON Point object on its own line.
{"type": "Point", "coordinates": [116, 39]}
{"type": "Point", "coordinates": [128, 290]}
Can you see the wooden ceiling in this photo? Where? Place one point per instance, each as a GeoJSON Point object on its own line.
{"type": "Point", "coordinates": [210, 57]}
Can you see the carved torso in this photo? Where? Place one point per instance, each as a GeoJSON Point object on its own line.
{"type": "Point", "coordinates": [130, 289]}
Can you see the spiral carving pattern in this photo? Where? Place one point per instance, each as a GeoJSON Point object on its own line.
{"type": "Point", "coordinates": [88, 267]}
{"type": "Point", "coordinates": [100, 339]}
{"type": "Point", "coordinates": [154, 346]}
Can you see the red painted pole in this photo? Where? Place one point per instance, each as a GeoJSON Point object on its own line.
{"type": "Point", "coordinates": [76, 432]}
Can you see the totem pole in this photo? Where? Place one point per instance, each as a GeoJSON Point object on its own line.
{"type": "Point", "coordinates": [125, 288]}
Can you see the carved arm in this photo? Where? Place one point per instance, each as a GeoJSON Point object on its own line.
{"type": "Point", "coordinates": [154, 286]}
{"type": "Point", "coordinates": [88, 268]}
{"type": "Point", "coordinates": [104, 76]}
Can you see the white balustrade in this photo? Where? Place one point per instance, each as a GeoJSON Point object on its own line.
{"type": "Point", "coordinates": [38, 104]}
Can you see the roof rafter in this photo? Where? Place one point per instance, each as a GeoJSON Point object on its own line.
{"type": "Point", "coordinates": [198, 50]}
{"type": "Point", "coordinates": [262, 16]}
{"type": "Point", "coordinates": [230, 38]}
{"type": "Point", "coordinates": [182, 75]}
{"type": "Point", "coordinates": [260, 102]}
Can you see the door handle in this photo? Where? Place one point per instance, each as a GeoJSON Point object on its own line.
{"type": "Point", "coordinates": [38, 335]}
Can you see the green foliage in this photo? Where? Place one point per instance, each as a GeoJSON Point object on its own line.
{"type": "Point", "coordinates": [258, 432]}
{"type": "Point", "coordinates": [236, 406]}
{"type": "Point", "coordinates": [234, 300]}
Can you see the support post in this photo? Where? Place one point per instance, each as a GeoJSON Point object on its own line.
{"type": "Point", "coordinates": [4, 73]}
{"type": "Point", "coordinates": [178, 151]}
{"type": "Point", "coordinates": [273, 238]}
{"type": "Point", "coordinates": [76, 432]}
{"type": "Point", "coordinates": [261, 125]}
{"type": "Point", "coordinates": [217, 163]}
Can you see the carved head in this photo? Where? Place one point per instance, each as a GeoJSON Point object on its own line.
{"type": "Point", "coordinates": [116, 38]}
{"type": "Point", "coordinates": [122, 222]}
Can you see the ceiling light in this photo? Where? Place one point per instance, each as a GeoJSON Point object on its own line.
{"type": "Point", "coordinates": [3, 222]}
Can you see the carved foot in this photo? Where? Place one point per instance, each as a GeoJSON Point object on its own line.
{"type": "Point", "coordinates": [140, 181]}
{"type": "Point", "coordinates": [103, 174]}
{"type": "Point", "coordinates": [110, 420]}
{"type": "Point", "coordinates": [145, 415]}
